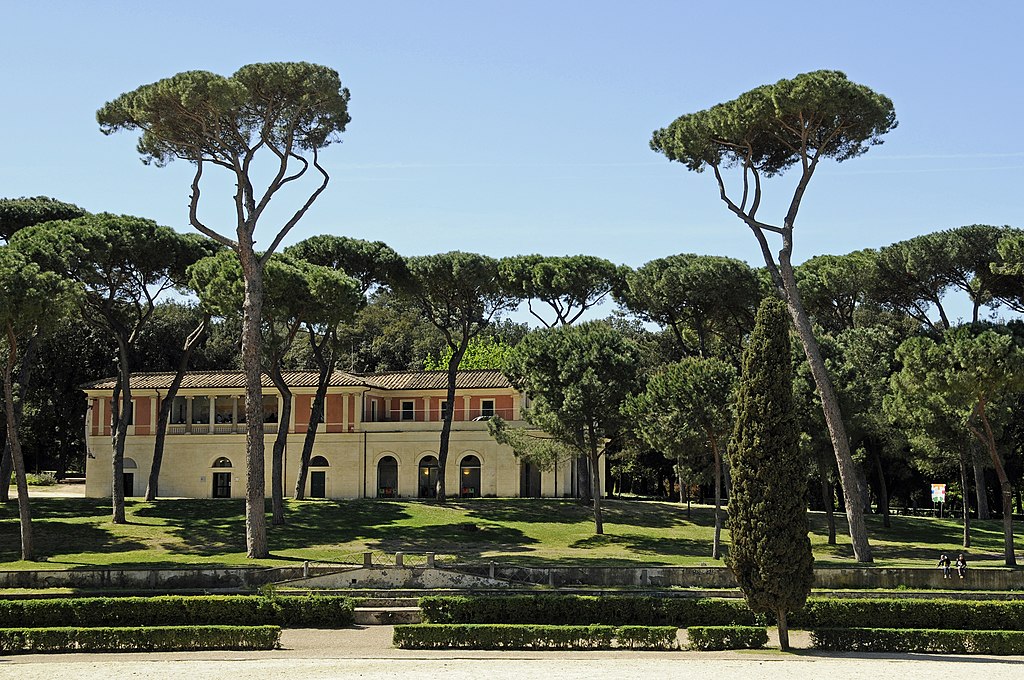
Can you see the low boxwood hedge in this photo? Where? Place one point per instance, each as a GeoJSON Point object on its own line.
{"type": "Point", "coordinates": [575, 610]}
{"type": "Point", "coordinates": [918, 640]}
{"type": "Point", "coordinates": [618, 610]}
{"type": "Point", "coordinates": [714, 638]}
{"type": "Point", "coordinates": [148, 639]}
{"type": "Point", "coordinates": [525, 636]}
{"type": "Point", "coordinates": [908, 613]}
{"type": "Point", "coordinates": [174, 610]}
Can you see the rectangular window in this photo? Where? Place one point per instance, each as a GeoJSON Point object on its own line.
{"type": "Point", "coordinates": [131, 412]}
{"type": "Point", "coordinates": [444, 410]}
{"type": "Point", "coordinates": [487, 407]}
{"type": "Point", "coordinates": [408, 410]}
{"type": "Point", "coordinates": [373, 410]}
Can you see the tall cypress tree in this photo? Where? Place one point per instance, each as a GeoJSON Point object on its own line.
{"type": "Point", "coordinates": [771, 552]}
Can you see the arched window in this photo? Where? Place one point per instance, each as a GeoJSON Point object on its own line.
{"type": "Point", "coordinates": [130, 464]}
{"type": "Point", "coordinates": [427, 477]}
{"type": "Point", "coordinates": [222, 462]}
{"type": "Point", "coordinates": [387, 477]}
{"type": "Point", "coordinates": [318, 461]}
{"type": "Point", "coordinates": [469, 477]}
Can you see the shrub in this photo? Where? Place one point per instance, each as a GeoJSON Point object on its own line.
{"type": "Point", "coordinates": [582, 610]}
{"type": "Point", "coordinates": [160, 638]}
{"type": "Point", "coordinates": [315, 611]}
{"type": "Point", "coordinates": [502, 636]}
{"type": "Point", "coordinates": [647, 637]}
{"type": "Point", "coordinates": [715, 638]}
{"type": "Point", "coordinates": [40, 479]}
{"type": "Point", "coordinates": [918, 640]}
{"type": "Point", "coordinates": [175, 610]}
{"type": "Point", "coordinates": [905, 613]}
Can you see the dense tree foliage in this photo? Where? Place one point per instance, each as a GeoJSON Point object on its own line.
{"type": "Point", "coordinates": [771, 552]}
{"type": "Point", "coordinates": [686, 412]}
{"type": "Point", "coordinates": [764, 132]}
{"type": "Point", "coordinates": [578, 378]}
{"type": "Point", "coordinates": [284, 112]}
{"type": "Point", "coordinates": [460, 294]}
{"type": "Point", "coordinates": [706, 302]}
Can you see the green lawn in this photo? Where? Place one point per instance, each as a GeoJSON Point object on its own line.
{"type": "Point", "coordinates": [77, 533]}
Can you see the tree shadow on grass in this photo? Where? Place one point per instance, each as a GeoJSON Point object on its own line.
{"type": "Point", "coordinates": [526, 510]}
{"type": "Point", "coordinates": [467, 540]}
{"type": "Point", "coordinates": [53, 508]}
{"type": "Point", "coordinates": [568, 511]}
{"type": "Point", "coordinates": [54, 539]}
{"type": "Point", "coordinates": [648, 548]}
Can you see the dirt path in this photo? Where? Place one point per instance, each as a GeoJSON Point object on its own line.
{"type": "Point", "coordinates": [367, 653]}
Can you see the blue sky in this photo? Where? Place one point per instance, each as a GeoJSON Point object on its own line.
{"type": "Point", "coordinates": [519, 127]}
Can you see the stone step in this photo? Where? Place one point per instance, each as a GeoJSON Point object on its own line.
{"type": "Point", "coordinates": [386, 616]}
{"type": "Point", "coordinates": [389, 602]}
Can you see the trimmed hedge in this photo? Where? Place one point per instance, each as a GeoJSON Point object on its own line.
{"type": "Point", "coordinates": [570, 610]}
{"type": "Point", "coordinates": [919, 640]}
{"type": "Point", "coordinates": [518, 636]}
{"type": "Point", "coordinates": [716, 638]}
{"type": "Point", "coordinates": [907, 613]}
{"type": "Point", "coordinates": [174, 610]}
{"type": "Point", "coordinates": [681, 612]}
{"type": "Point", "coordinates": [154, 639]}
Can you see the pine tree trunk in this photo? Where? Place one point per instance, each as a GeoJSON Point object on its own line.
{"type": "Point", "coordinates": [583, 480]}
{"type": "Point", "coordinates": [325, 367]}
{"type": "Point", "coordinates": [6, 472]}
{"type": "Point", "coordinates": [883, 491]}
{"type": "Point", "coordinates": [194, 338]}
{"type": "Point", "coordinates": [17, 462]}
{"type": "Point", "coordinates": [595, 482]}
{"type": "Point", "coordinates": [122, 412]}
{"type": "Point", "coordinates": [981, 489]}
{"type": "Point", "coordinates": [255, 473]}
{"type": "Point", "coordinates": [830, 408]}
{"type": "Point", "coordinates": [280, 445]}
{"type": "Point", "coordinates": [1005, 486]}
{"type": "Point", "coordinates": [830, 513]}
{"type": "Point", "coordinates": [716, 550]}
{"type": "Point", "coordinates": [446, 425]}
{"type": "Point", "coordinates": [967, 508]}
{"type": "Point", "coordinates": [24, 376]}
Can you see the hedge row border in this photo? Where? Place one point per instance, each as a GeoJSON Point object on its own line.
{"type": "Point", "coordinates": [289, 611]}
{"type": "Point", "coordinates": [138, 639]}
{"type": "Point", "coordinates": [919, 640]}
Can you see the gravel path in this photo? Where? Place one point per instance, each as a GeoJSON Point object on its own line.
{"type": "Point", "coordinates": [367, 653]}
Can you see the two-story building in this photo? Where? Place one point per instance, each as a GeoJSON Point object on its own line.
{"type": "Point", "coordinates": [378, 437]}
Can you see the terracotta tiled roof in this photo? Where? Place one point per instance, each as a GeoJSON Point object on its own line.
{"type": "Point", "coordinates": [411, 380]}
{"type": "Point", "coordinates": [437, 380]}
{"type": "Point", "coordinates": [221, 379]}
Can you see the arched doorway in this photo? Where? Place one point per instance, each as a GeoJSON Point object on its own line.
{"type": "Point", "coordinates": [221, 478]}
{"type": "Point", "coordinates": [318, 478]}
{"type": "Point", "coordinates": [387, 477]}
{"type": "Point", "coordinates": [469, 477]}
{"type": "Point", "coordinates": [427, 477]}
{"type": "Point", "coordinates": [128, 468]}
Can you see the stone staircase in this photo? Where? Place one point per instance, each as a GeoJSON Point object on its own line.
{"type": "Point", "coordinates": [387, 611]}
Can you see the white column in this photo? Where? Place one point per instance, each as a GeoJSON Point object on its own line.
{"type": "Point", "coordinates": [344, 411]}
{"type": "Point", "coordinates": [211, 412]}
{"type": "Point", "coordinates": [188, 414]}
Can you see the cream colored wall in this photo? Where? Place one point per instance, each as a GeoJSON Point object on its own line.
{"type": "Point", "coordinates": [187, 468]}
{"type": "Point", "coordinates": [352, 456]}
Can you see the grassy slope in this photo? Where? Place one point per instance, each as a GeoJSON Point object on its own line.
{"type": "Point", "coordinates": [74, 532]}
